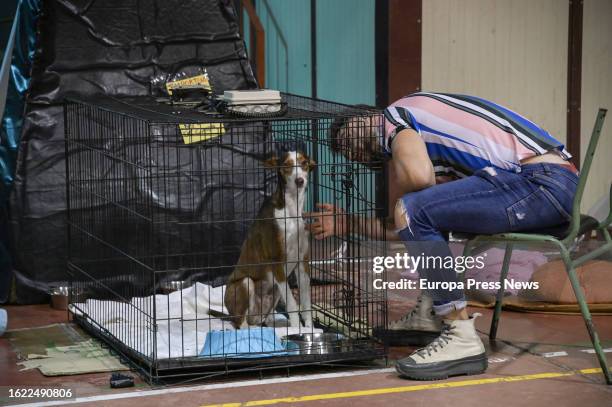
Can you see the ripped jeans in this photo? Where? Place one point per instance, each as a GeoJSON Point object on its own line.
{"type": "Point", "coordinates": [490, 201]}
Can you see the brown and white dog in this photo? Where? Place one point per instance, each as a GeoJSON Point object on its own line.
{"type": "Point", "coordinates": [276, 246]}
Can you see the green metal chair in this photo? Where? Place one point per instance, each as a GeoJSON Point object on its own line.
{"type": "Point", "coordinates": [563, 239]}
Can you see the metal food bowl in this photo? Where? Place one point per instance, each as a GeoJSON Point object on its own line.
{"type": "Point", "coordinates": [61, 295]}
{"type": "Point", "coordinates": [167, 287]}
{"type": "Point", "coordinates": [317, 344]}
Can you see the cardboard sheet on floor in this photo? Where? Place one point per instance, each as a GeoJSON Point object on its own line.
{"type": "Point", "coordinates": [555, 294]}
{"type": "Point", "coordinates": [520, 305]}
{"type": "Point", "coordinates": [61, 349]}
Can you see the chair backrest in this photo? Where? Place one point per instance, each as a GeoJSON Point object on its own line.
{"type": "Point", "coordinates": [584, 173]}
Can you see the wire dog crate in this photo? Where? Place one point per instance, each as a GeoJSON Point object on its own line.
{"type": "Point", "coordinates": [163, 201]}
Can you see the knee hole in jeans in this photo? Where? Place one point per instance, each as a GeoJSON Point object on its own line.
{"type": "Point", "coordinates": [400, 216]}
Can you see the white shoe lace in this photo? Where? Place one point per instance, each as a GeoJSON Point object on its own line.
{"type": "Point", "coordinates": [439, 343]}
{"type": "Point", "coordinates": [409, 315]}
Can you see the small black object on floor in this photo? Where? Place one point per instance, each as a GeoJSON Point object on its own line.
{"type": "Point", "coordinates": [119, 381]}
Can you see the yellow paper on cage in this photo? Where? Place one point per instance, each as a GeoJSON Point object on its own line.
{"type": "Point", "coordinates": [193, 133]}
{"type": "Point", "coordinates": [198, 80]}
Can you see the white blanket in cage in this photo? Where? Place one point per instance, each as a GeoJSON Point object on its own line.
{"type": "Point", "coordinates": [183, 319]}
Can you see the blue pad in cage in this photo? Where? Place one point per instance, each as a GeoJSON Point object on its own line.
{"type": "Point", "coordinates": [243, 343]}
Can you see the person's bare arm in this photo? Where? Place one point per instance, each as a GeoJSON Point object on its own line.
{"type": "Point", "coordinates": [333, 221]}
{"type": "Point", "coordinates": [413, 168]}
{"type": "Point", "coordinates": [376, 229]}
{"type": "Point", "coordinates": [413, 171]}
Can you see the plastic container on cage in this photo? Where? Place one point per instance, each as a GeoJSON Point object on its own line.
{"type": "Point", "coordinates": [187, 240]}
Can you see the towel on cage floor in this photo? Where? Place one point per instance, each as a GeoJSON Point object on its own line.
{"type": "Point", "coordinates": [183, 320]}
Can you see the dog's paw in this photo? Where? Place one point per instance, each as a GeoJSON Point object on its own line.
{"type": "Point", "coordinates": [277, 320]}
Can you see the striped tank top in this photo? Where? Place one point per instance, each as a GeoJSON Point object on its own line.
{"type": "Point", "coordinates": [465, 133]}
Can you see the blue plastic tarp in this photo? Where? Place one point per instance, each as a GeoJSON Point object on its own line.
{"type": "Point", "coordinates": [15, 77]}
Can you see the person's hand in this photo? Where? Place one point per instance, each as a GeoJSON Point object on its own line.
{"type": "Point", "coordinates": [330, 221]}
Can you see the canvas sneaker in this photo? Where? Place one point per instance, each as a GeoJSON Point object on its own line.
{"type": "Point", "coordinates": [457, 351]}
{"type": "Point", "coordinates": [417, 328]}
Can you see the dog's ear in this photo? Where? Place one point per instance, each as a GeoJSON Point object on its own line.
{"type": "Point", "coordinates": [311, 164]}
{"type": "Point", "coordinates": [271, 162]}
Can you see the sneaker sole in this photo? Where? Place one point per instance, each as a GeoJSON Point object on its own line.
{"type": "Point", "coordinates": [393, 337]}
{"type": "Point", "coordinates": [471, 365]}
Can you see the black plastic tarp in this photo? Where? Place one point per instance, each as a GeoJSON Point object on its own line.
{"type": "Point", "coordinates": [183, 210]}
{"type": "Point", "coordinates": [112, 47]}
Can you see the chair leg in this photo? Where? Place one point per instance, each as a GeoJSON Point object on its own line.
{"type": "Point", "coordinates": [500, 293]}
{"type": "Point", "coordinates": [467, 250]}
{"type": "Point", "coordinates": [586, 315]}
